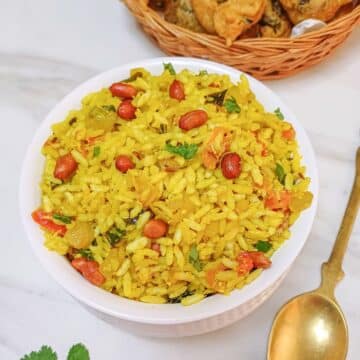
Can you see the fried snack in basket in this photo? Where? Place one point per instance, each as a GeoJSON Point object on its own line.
{"type": "Point", "coordinates": [180, 12]}
{"type": "Point", "coordinates": [274, 23]}
{"type": "Point", "coordinates": [204, 11]}
{"type": "Point", "coordinates": [299, 10]}
{"type": "Point", "coordinates": [234, 17]}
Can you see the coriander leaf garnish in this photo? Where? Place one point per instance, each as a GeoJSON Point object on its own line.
{"type": "Point", "coordinates": [85, 253]}
{"type": "Point", "coordinates": [280, 173]}
{"type": "Point", "coordinates": [78, 352]}
{"type": "Point", "coordinates": [263, 246]}
{"type": "Point", "coordinates": [109, 108]}
{"type": "Point", "coordinates": [45, 353]}
{"type": "Point", "coordinates": [114, 235]}
{"type": "Point", "coordinates": [96, 151]}
{"type": "Point", "coordinates": [187, 151]}
{"type": "Point", "coordinates": [216, 98]}
{"type": "Point", "coordinates": [279, 114]}
{"type": "Point", "coordinates": [194, 258]}
{"type": "Point", "coordinates": [203, 72]}
{"type": "Point", "coordinates": [63, 218]}
{"type": "Point", "coordinates": [170, 68]}
{"type": "Point", "coordinates": [232, 106]}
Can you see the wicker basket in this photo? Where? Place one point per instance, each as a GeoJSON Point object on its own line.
{"type": "Point", "coordinates": [263, 58]}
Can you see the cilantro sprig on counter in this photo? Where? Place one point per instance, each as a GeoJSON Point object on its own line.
{"type": "Point", "coordinates": [187, 151]}
{"type": "Point", "coordinates": [76, 352]}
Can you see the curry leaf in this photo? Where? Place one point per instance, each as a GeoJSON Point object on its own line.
{"type": "Point", "coordinates": [216, 98]}
{"type": "Point", "coordinates": [280, 173]}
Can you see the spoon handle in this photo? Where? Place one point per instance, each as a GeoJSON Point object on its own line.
{"type": "Point", "coordinates": [332, 271]}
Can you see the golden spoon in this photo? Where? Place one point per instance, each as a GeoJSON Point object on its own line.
{"type": "Point", "coordinates": [312, 326]}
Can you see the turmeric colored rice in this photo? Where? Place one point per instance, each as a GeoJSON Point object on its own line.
{"type": "Point", "coordinates": [218, 224]}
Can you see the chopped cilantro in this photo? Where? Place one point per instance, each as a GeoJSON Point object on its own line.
{"type": "Point", "coordinates": [280, 173]}
{"type": "Point", "coordinates": [85, 253]}
{"type": "Point", "coordinates": [115, 235]}
{"type": "Point", "coordinates": [216, 98]}
{"type": "Point", "coordinates": [232, 106]}
{"type": "Point", "coordinates": [96, 151]}
{"type": "Point", "coordinates": [78, 352]}
{"type": "Point", "coordinates": [187, 151]}
{"type": "Point", "coordinates": [109, 108]}
{"type": "Point", "coordinates": [263, 246]}
{"type": "Point", "coordinates": [203, 72]}
{"type": "Point", "coordinates": [170, 68]}
{"type": "Point", "coordinates": [279, 114]}
{"type": "Point", "coordinates": [45, 353]}
{"type": "Point", "coordinates": [194, 258]}
{"type": "Point", "coordinates": [63, 218]}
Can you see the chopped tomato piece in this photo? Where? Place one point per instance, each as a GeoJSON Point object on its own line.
{"type": "Point", "coordinates": [260, 260]}
{"type": "Point", "coordinates": [279, 201]}
{"type": "Point", "coordinates": [211, 274]}
{"type": "Point", "coordinates": [79, 263]}
{"type": "Point", "coordinates": [288, 134]}
{"type": "Point", "coordinates": [93, 139]}
{"type": "Point", "coordinates": [246, 263]}
{"type": "Point", "coordinates": [44, 220]}
{"type": "Point", "coordinates": [264, 151]}
{"type": "Point", "coordinates": [90, 270]}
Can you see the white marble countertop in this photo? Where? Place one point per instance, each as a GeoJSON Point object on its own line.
{"type": "Point", "coordinates": [49, 46]}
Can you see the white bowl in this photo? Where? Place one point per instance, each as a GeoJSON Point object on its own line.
{"type": "Point", "coordinates": [168, 319]}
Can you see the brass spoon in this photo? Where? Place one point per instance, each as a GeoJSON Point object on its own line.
{"type": "Point", "coordinates": [312, 326]}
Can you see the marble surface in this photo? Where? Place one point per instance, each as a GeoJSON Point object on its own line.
{"type": "Point", "coordinates": [49, 46]}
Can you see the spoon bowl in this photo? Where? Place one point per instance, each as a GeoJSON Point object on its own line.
{"type": "Point", "coordinates": [310, 326]}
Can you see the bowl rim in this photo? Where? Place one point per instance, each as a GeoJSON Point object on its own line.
{"type": "Point", "coordinates": [136, 311]}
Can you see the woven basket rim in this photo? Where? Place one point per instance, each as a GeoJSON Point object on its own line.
{"type": "Point", "coordinates": [264, 58]}
{"type": "Point", "coordinates": [253, 41]}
